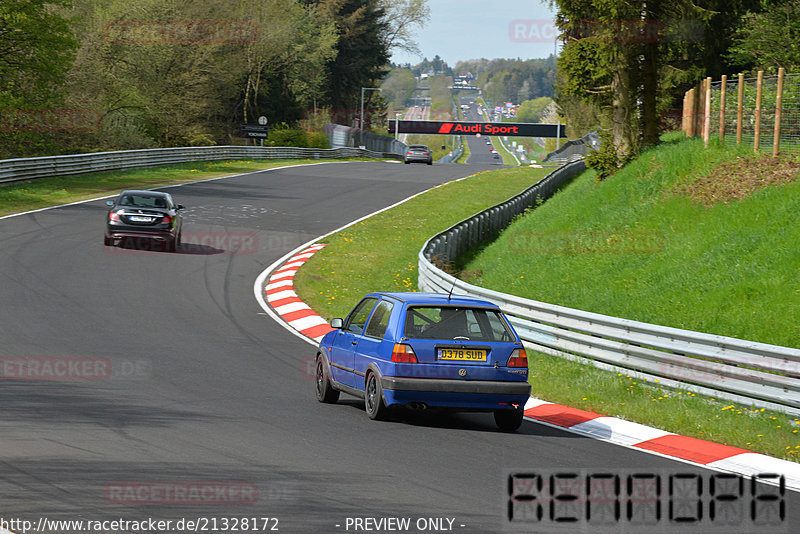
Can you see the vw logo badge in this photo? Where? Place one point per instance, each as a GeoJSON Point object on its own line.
{"type": "Point", "coordinates": [462, 372]}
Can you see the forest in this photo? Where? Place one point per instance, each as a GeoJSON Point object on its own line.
{"type": "Point", "coordinates": [87, 75]}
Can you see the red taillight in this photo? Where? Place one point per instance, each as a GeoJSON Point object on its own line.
{"type": "Point", "coordinates": [518, 359]}
{"type": "Point", "coordinates": [403, 354]}
{"type": "Point", "coordinates": [167, 219]}
{"type": "Point", "coordinates": [427, 154]}
{"type": "Point", "coordinates": [409, 153]}
{"type": "Point", "coordinates": [113, 216]}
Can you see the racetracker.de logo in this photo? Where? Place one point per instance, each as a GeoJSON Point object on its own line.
{"type": "Point", "coordinates": [55, 368]}
{"type": "Point", "coordinates": [181, 32]}
{"type": "Point", "coordinates": [180, 493]}
{"type": "Point", "coordinates": [532, 31]}
{"type": "Point", "coordinates": [67, 120]}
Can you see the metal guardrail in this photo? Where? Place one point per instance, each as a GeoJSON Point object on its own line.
{"type": "Point", "coordinates": [14, 170]}
{"type": "Point", "coordinates": [344, 136]}
{"type": "Point", "coordinates": [744, 371]}
{"type": "Point", "coordinates": [574, 150]}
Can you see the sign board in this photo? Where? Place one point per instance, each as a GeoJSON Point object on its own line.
{"type": "Point", "coordinates": [259, 131]}
{"type": "Point", "coordinates": [510, 129]}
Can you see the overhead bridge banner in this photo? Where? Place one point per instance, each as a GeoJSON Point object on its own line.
{"type": "Point", "coordinates": [511, 129]}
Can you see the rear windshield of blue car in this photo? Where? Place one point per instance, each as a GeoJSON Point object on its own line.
{"type": "Point", "coordinates": [449, 323]}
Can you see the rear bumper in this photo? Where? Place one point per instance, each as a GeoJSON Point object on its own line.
{"type": "Point", "coordinates": [431, 385]}
{"type": "Point", "coordinates": [161, 234]}
{"type": "Point", "coordinates": [418, 159]}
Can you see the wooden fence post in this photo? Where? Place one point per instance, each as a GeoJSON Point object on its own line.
{"type": "Point", "coordinates": [686, 113]}
{"type": "Point", "coordinates": [707, 112]}
{"type": "Point", "coordinates": [723, 88]}
{"type": "Point", "coordinates": [776, 139]}
{"type": "Point", "coordinates": [739, 110]}
{"type": "Point", "coordinates": [759, 87]}
{"type": "Point", "coordinates": [691, 108]}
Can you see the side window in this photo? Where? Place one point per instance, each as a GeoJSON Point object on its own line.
{"type": "Point", "coordinates": [358, 317]}
{"type": "Point", "coordinates": [380, 320]}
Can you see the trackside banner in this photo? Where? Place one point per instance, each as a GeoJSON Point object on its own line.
{"type": "Point", "coordinates": [511, 129]}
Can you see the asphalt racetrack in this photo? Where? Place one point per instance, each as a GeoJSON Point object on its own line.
{"type": "Point", "coordinates": [191, 403]}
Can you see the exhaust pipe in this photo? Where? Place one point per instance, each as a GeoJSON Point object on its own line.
{"type": "Point", "coordinates": [417, 406]}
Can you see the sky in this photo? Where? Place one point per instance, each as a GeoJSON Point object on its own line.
{"type": "Point", "coordinates": [472, 29]}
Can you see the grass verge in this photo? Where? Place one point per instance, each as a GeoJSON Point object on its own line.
{"type": "Point", "coordinates": [620, 395]}
{"type": "Point", "coordinates": [380, 254]}
{"type": "Point", "coordinates": [43, 192]}
{"type": "Point", "coordinates": [646, 244]}
{"type": "Point", "coordinates": [464, 152]}
{"type": "Point", "coordinates": [508, 159]}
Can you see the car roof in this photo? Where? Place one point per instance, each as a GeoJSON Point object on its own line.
{"type": "Point", "coordinates": [435, 299]}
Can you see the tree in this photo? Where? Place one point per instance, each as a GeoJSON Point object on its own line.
{"type": "Point", "coordinates": [631, 59]}
{"type": "Point", "coordinates": [771, 38]}
{"type": "Point", "coordinates": [36, 50]}
{"type": "Point", "coordinates": [531, 110]}
{"type": "Point", "coordinates": [403, 16]}
{"type": "Point", "coordinates": [362, 52]}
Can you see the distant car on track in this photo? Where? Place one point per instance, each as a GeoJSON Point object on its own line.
{"type": "Point", "coordinates": [418, 153]}
{"type": "Point", "coordinates": [150, 215]}
{"type": "Point", "coordinates": [425, 350]}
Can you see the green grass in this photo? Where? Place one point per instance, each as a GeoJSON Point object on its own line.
{"type": "Point", "coordinates": [434, 142]}
{"type": "Point", "coordinates": [633, 247]}
{"type": "Point", "coordinates": [619, 395]}
{"type": "Point", "coordinates": [508, 159]}
{"type": "Point", "coordinates": [380, 254]}
{"type": "Point", "coordinates": [43, 192]}
{"type": "Point", "coordinates": [465, 151]}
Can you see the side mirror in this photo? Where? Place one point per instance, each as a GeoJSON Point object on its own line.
{"type": "Point", "coordinates": [109, 202]}
{"type": "Point", "coordinates": [336, 323]}
{"type": "Point", "coordinates": [180, 207]}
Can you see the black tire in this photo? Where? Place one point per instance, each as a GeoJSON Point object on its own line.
{"type": "Point", "coordinates": [172, 245]}
{"type": "Point", "coordinates": [406, 162]}
{"type": "Point", "coordinates": [430, 163]}
{"type": "Point", "coordinates": [373, 398]}
{"type": "Point", "coordinates": [509, 420]}
{"type": "Point", "coordinates": [107, 241]}
{"type": "Point", "coordinates": [325, 392]}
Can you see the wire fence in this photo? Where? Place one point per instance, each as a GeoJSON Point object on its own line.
{"type": "Point", "coordinates": [761, 112]}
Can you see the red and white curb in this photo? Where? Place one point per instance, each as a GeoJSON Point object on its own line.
{"type": "Point", "coordinates": [286, 304]}
{"type": "Point", "coordinates": [281, 296]}
{"type": "Point", "coordinates": [663, 443]}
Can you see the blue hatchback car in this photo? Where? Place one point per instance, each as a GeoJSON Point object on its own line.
{"type": "Point", "coordinates": [425, 350]}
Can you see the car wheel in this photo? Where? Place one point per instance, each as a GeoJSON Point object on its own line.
{"type": "Point", "coordinates": [325, 392]}
{"type": "Point", "coordinates": [509, 420]}
{"type": "Point", "coordinates": [107, 241]}
{"type": "Point", "coordinates": [406, 162]}
{"type": "Point", "coordinates": [172, 245]}
{"type": "Point", "coordinates": [373, 398]}
{"type": "Point", "coordinates": [430, 163]}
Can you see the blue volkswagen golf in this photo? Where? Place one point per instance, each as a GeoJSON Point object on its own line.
{"type": "Point", "coordinates": [425, 350]}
